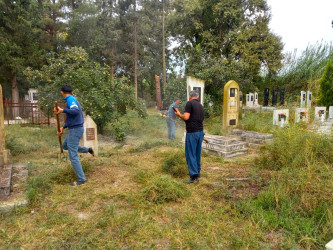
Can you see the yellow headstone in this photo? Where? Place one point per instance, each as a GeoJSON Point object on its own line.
{"type": "Point", "coordinates": [230, 104]}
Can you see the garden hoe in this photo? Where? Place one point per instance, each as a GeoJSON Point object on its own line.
{"type": "Point", "coordinates": [61, 155]}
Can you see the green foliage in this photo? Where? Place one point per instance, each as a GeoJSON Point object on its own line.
{"type": "Point", "coordinates": [303, 72]}
{"type": "Point", "coordinates": [162, 189]}
{"type": "Point", "coordinates": [224, 40]}
{"type": "Point", "coordinates": [104, 100]}
{"type": "Point", "coordinates": [175, 164]}
{"type": "Point", "coordinates": [175, 88]}
{"type": "Point", "coordinates": [326, 86]}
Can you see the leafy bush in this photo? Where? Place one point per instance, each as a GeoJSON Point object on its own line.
{"type": "Point", "coordinates": [163, 189]}
{"type": "Point", "coordinates": [175, 164]}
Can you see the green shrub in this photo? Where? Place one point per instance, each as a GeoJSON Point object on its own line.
{"type": "Point", "coordinates": [163, 189]}
{"type": "Point", "coordinates": [175, 164]}
{"type": "Point", "coordinates": [326, 86]}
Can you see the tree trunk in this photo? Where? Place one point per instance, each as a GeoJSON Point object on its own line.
{"type": "Point", "coordinates": [135, 53]}
{"type": "Point", "coordinates": [163, 47]}
{"type": "Point", "coordinates": [15, 97]}
{"type": "Point", "coordinates": [158, 93]}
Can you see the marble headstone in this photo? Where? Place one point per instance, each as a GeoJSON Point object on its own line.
{"type": "Point", "coordinates": [282, 91]}
{"type": "Point", "coordinates": [309, 99]}
{"type": "Point", "coordinates": [89, 138]}
{"type": "Point", "coordinates": [303, 99]}
{"type": "Point", "coordinates": [280, 117]}
{"type": "Point", "coordinates": [301, 115]}
{"type": "Point", "coordinates": [274, 97]}
{"type": "Point", "coordinates": [320, 114]}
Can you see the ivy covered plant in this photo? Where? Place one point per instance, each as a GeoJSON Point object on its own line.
{"type": "Point", "coordinates": [100, 97]}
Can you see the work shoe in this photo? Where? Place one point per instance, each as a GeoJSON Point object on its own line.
{"type": "Point", "coordinates": [193, 179]}
{"type": "Point", "coordinates": [77, 183]}
{"type": "Point", "coordinates": [91, 151]}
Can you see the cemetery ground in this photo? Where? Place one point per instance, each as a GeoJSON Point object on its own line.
{"type": "Point", "coordinates": [135, 196]}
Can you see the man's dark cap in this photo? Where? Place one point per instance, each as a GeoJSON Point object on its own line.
{"type": "Point", "coordinates": [67, 88]}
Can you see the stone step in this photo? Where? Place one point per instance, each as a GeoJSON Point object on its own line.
{"type": "Point", "coordinates": [5, 179]}
{"type": "Point", "coordinates": [237, 145]}
{"type": "Point", "coordinates": [227, 154]}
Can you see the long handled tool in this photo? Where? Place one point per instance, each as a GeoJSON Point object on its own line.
{"type": "Point", "coordinates": [58, 127]}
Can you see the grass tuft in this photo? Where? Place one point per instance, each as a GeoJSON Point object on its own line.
{"type": "Point", "coordinates": [162, 189]}
{"type": "Point", "coordinates": [175, 164]}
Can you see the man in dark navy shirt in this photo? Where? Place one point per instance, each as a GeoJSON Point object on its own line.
{"type": "Point", "coordinates": [193, 117]}
{"type": "Point", "coordinates": [171, 119]}
{"type": "Point", "coordinates": [74, 123]}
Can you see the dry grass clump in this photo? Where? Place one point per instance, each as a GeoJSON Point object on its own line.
{"type": "Point", "coordinates": [163, 188]}
{"type": "Point", "coordinates": [175, 164]}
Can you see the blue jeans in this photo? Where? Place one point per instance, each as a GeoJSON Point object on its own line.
{"type": "Point", "coordinates": [193, 142]}
{"type": "Point", "coordinates": [71, 143]}
{"type": "Point", "coordinates": [171, 128]}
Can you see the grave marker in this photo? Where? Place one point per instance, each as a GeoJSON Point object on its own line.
{"type": "Point", "coordinates": [303, 99]}
{"type": "Point", "coordinates": [320, 114]}
{"type": "Point", "coordinates": [280, 117]}
{"type": "Point", "coordinates": [89, 138]}
{"type": "Point", "coordinates": [197, 85]}
{"type": "Point", "coordinates": [256, 98]}
{"type": "Point", "coordinates": [301, 115]}
{"type": "Point", "coordinates": [330, 113]}
{"type": "Point", "coordinates": [230, 104]}
{"type": "Point", "coordinates": [274, 97]}
{"type": "Point", "coordinates": [309, 99]}
{"type": "Point", "coordinates": [266, 96]}
{"type": "Point", "coordinates": [282, 92]}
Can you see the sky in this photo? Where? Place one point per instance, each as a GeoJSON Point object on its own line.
{"type": "Point", "coordinates": [301, 22]}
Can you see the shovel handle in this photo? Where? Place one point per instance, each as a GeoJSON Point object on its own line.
{"type": "Point", "coordinates": [58, 127]}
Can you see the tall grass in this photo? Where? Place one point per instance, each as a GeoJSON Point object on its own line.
{"type": "Point", "coordinates": [298, 200]}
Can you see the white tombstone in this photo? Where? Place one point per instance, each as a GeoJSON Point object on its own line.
{"type": "Point", "coordinates": [89, 138]}
{"type": "Point", "coordinates": [303, 99]}
{"type": "Point", "coordinates": [330, 113]}
{"type": "Point", "coordinates": [256, 98]}
{"type": "Point", "coordinates": [280, 117]}
{"type": "Point", "coordinates": [301, 115]}
{"type": "Point", "coordinates": [249, 100]}
{"type": "Point", "coordinates": [320, 114]}
{"type": "Point", "coordinates": [308, 99]}
{"type": "Point", "coordinates": [33, 95]}
{"type": "Point", "coordinates": [196, 84]}
{"type": "Point", "coordinates": [329, 245]}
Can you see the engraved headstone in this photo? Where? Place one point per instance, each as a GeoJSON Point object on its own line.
{"type": "Point", "coordinates": [256, 99]}
{"type": "Point", "coordinates": [330, 113]}
{"type": "Point", "coordinates": [266, 96]}
{"type": "Point", "coordinates": [301, 115]}
{"type": "Point", "coordinates": [320, 114]}
{"type": "Point", "coordinates": [89, 138]}
{"type": "Point", "coordinates": [274, 97]}
{"type": "Point", "coordinates": [240, 99]}
{"type": "Point", "coordinates": [303, 99]}
{"type": "Point", "coordinates": [230, 104]}
{"type": "Point", "coordinates": [281, 117]}
{"type": "Point", "coordinates": [197, 85]}
{"type": "Point", "coordinates": [309, 99]}
{"type": "Point", "coordinates": [282, 92]}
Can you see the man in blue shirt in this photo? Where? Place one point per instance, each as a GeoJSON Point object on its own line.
{"type": "Point", "coordinates": [171, 119]}
{"type": "Point", "coordinates": [74, 123]}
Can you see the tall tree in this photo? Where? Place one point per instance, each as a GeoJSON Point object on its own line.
{"type": "Point", "coordinates": [19, 40]}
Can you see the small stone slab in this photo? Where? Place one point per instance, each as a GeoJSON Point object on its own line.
{"type": "Point", "coordinates": [5, 179]}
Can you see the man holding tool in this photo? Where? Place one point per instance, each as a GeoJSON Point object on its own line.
{"type": "Point", "coordinates": [193, 117]}
{"type": "Point", "coordinates": [74, 123]}
{"type": "Point", "coordinates": [171, 119]}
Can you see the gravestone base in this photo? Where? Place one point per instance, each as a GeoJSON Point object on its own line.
{"type": "Point", "coordinates": [4, 157]}
{"type": "Point", "coordinates": [17, 188]}
{"type": "Point", "coordinates": [254, 139]}
{"type": "Point", "coordinates": [5, 179]}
